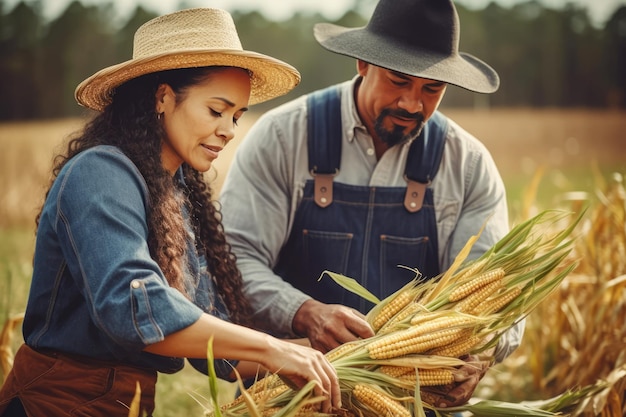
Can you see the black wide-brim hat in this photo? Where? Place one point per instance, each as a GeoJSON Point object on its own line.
{"type": "Point", "coordinates": [415, 37]}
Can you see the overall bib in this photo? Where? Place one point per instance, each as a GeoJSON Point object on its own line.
{"type": "Point", "coordinates": [375, 235]}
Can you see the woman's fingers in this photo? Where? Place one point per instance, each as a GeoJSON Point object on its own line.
{"type": "Point", "coordinates": [303, 364]}
{"type": "Point", "coordinates": [328, 386]}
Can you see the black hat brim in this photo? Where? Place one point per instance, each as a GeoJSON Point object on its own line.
{"type": "Point", "coordinates": [462, 69]}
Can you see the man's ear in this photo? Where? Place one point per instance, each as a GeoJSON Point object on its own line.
{"type": "Point", "coordinates": [361, 67]}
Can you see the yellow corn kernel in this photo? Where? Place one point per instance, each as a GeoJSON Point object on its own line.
{"type": "Point", "coordinates": [425, 336]}
{"type": "Point", "coordinates": [404, 343]}
{"type": "Point", "coordinates": [475, 284]}
{"type": "Point", "coordinates": [428, 377]}
{"type": "Point", "coordinates": [396, 371]}
{"type": "Point", "coordinates": [390, 310]}
{"type": "Point", "coordinates": [259, 396]}
{"type": "Point", "coordinates": [433, 377]}
{"type": "Point", "coordinates": [469, 303]}
{"type": "Point", "coordinates": [457, 349]}
{"type": "Point", "coordinates": [264, 384]}
{"type": "Point", "coordinates": [409, 310]}
{"type": "Point", "coordinates": [272, 411]}
{"type": "Point", "coordinates": [439, 322]}
{"type": "Point", "coordinates": [382, 404]}
{"type": "Point", "coordinates": [340, 351]}
{"type": "Point", "coordinates": [495, 304]}
{"type": "Point", "coordinates": [473, 269]}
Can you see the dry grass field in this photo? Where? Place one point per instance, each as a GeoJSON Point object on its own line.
{"type": "Point", "coordinates": [569, 145]}
{"type": "Point", "coordinates": [565, 143]}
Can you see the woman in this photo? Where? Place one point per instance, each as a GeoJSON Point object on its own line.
{"type": "Point", "coordinates": [131, 271]}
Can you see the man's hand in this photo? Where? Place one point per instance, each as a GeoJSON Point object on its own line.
{"type": "Point", "coordinates": [330, 325]}
{"type": "Point", "coordinates": [466, 378]}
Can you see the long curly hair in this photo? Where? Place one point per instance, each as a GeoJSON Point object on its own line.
{"type": "Point", "coordinates": [131, 124]}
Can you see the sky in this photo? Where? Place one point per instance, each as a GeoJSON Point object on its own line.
{"type": "Point", "coordinates": [599, 10]}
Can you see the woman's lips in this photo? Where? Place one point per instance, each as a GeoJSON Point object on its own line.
{"type": "Point", "coordinates": [213, 151]}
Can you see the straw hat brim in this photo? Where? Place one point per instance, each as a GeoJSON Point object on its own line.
{"type": "Point", "coordinates": [462, 69]}
{"type": "Point", "coordinates": [270, 77]}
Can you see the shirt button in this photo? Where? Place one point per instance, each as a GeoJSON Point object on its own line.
{"type": "Point", "coordinates": [135, 284]}
{"type": "Point", "coordinates": [370, 151]}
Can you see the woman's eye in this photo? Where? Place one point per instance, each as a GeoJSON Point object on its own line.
{"type": "Point", "coordinates": [215, 113]}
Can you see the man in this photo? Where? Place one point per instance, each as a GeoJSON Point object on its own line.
{"type": "Point", "coordinates": [364, 178]}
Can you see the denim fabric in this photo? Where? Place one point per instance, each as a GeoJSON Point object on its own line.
{"type": "Point", "coordinates": [366, 234]}
{"type": "Point", "coordinates": [95, 289]}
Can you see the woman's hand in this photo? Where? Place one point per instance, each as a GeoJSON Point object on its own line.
{"type": "Point", "coordinates": [297, 365]}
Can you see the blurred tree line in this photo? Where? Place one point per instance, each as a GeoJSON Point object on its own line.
{"type": "Point", "coordinates": [545, 57]}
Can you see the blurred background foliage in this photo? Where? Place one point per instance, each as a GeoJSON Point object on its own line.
{"type": "Point", "coordinates": [545, 57]}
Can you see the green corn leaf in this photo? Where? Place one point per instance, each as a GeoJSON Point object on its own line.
{"type": "Point", "coordinates": [489, 408]}
{"type": "Point", "coordinates": [351, 285]}
{"type": "Point", "coordinates": [212, 378]}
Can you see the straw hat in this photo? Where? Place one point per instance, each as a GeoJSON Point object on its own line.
{"type": "Point", "coordinates": [414, 37]}
{"type": "Point", "coordinates": [195, 37]}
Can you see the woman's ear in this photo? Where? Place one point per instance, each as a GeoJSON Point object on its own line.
{"type": "Point", "coordinates": [161, 95]}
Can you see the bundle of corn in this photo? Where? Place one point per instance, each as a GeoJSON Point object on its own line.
{"type": "Point", "coordinates": [577, 337]}
{"type": "Point", "coordinates": [423, 329]}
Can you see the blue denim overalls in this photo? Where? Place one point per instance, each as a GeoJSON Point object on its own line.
{"type": "Point", "coordinates": [366, 233]}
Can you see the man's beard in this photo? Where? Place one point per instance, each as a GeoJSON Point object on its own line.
{"type": "Point", "coordinates": [397, 134]}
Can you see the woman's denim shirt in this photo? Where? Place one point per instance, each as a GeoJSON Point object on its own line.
{"type": "Point", "coordinates": [96, 291]}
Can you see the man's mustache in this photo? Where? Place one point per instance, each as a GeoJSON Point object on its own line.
{"type": "Point", "coordinates": [418, 117]}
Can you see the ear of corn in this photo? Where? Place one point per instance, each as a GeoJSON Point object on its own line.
{"type": "Point", "coordinates": [389, 310]}
{"type": "Point", "coordinates": [427, 377]}
{"type": "Point", "coordinates": [381, 349]}
{"type": "Point", "coordinates": [379, 402]}
{"type": "Point", "coordinates": [441, 321]}
{"type": "Point", "coordinates": [496, 304]}
{"type": "Point", "coordinates": [408, 311]}
{"type": "Point", "coordinates": [474, 268]}
{"type": "Point", "coordinates": [458, 348]}
{"type": "Point", "coordinates": [433, 377]}
{"type": "Point", "coordinates": [417, 339]}
{"type": "Point", "coordinates": [396, 371]}
{"type": "Point", "coordinates": [341, 351]}
{"type": "Point", "coordinates": [476, 283]}
{"type": "Point", "coordinates": [258, 395]}
{"type": "Point", "coordinates": [472, 301]}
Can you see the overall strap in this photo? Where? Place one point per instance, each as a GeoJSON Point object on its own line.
{"type": "Point", "coordinates": [423, 160]}
{"type": "Point", "coordinates": [324, 132]}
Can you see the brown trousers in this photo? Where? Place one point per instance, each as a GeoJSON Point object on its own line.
{"type": "Point", "coordinates": [54, 384]}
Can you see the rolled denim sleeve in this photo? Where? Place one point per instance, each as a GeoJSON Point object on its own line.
{"type": "Point", "coordinates": [101, 223]}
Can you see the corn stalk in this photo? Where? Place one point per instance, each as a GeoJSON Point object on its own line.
{"type": "Point", "coordinates": [577, 337]}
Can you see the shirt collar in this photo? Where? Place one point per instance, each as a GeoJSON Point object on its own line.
{"type": "Point", "coordinates": [352, 122]}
